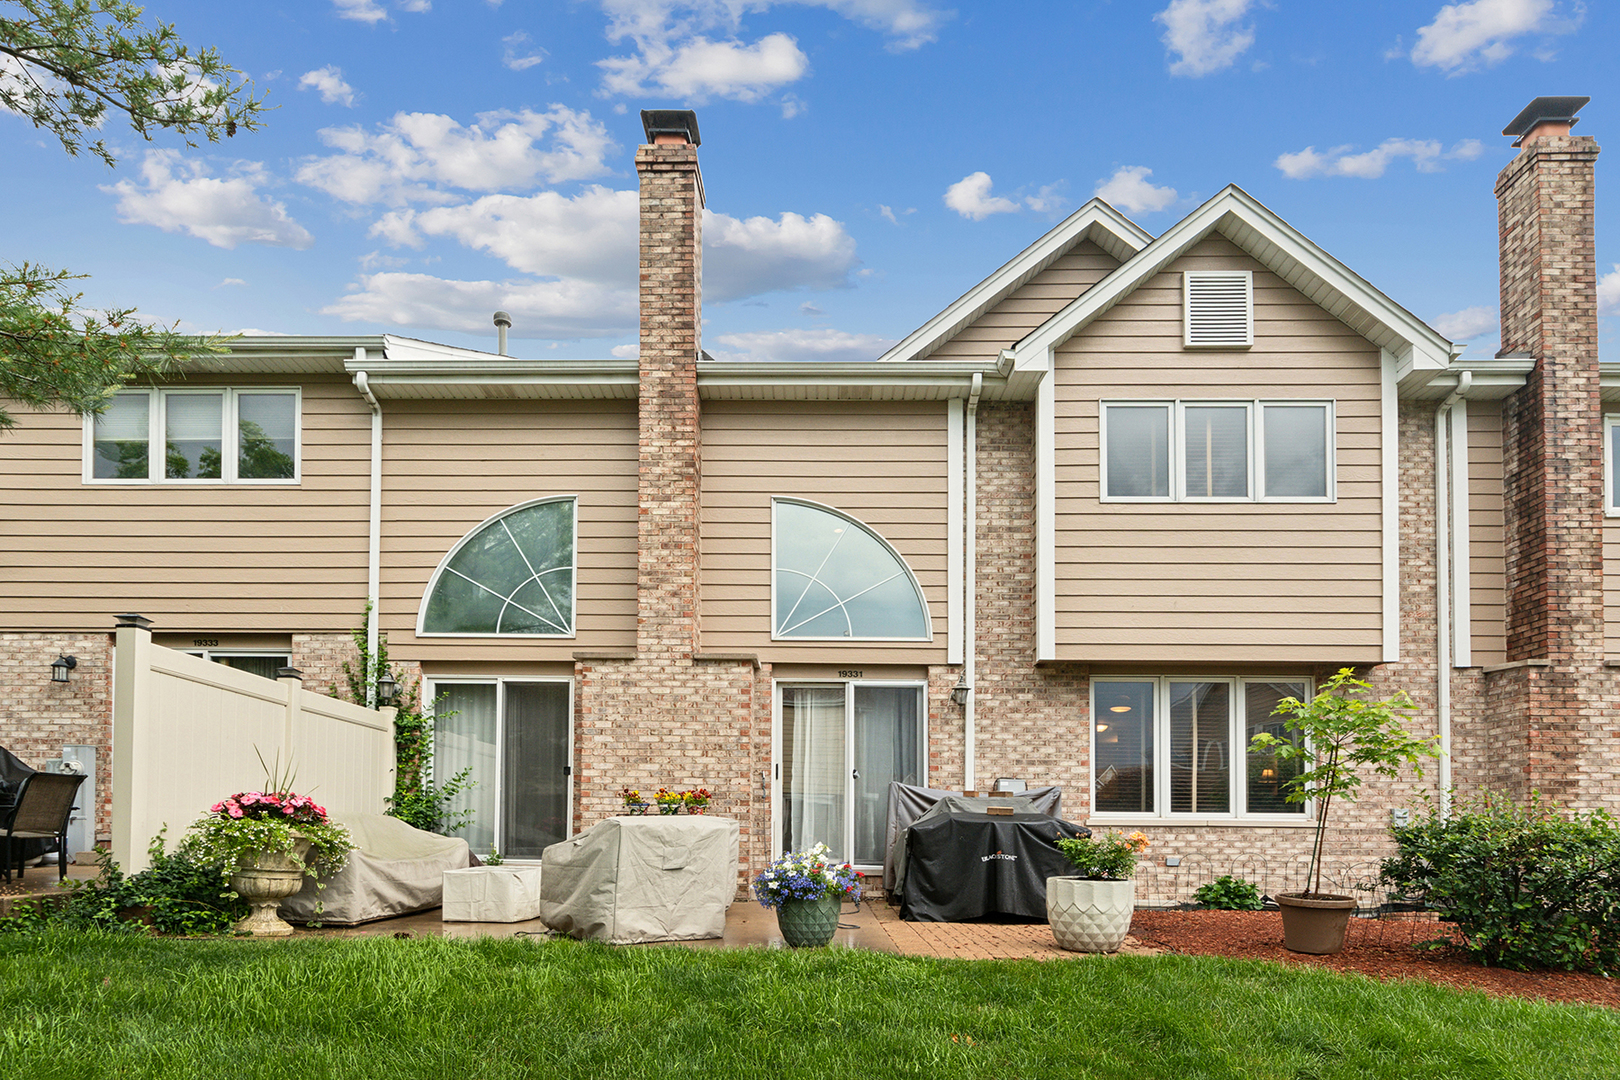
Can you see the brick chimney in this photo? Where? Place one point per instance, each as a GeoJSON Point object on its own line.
{"type": "Point", "coordinates": [671, 321]}
{"type": "Point", "coordinates": [1553, 460]}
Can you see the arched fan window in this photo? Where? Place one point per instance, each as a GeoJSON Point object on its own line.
{"type": "Point", "coordinates": [836, 578]}
{"type": "Point", "coordinates": [514, 574]}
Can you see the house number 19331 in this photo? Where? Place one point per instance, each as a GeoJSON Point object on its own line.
{"type": "Point", "coordinates": [851, 673]}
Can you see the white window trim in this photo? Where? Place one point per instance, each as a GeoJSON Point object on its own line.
{"type": "Point", "coordinates": [1188, 279]}
{"type": "Point", "coordinates": [1176, 449]}
{"type": "Point", "coordinates": [911, 575]}
{"type": "Point", "coordinates": [778, 806]}
{"type": "Point", "coordinates": [430, 690]}
{"type": "Point", "coordinates": [1610, 422]}
{"type": "Point", "coordinates": [433, 582]}
{"type": "Point", "coordinates": [230, 438]}
{"type": "Point", "coordinates": [1237, 789]}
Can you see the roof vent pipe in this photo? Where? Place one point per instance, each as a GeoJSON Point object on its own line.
{"type": "Point", "coordinates": [503, 323]}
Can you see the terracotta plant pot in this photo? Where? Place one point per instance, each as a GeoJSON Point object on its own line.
{"type": "Point", "coordinates": [1090, 916]}
{"type": "Point", "coordinates": [1315, 924]}
{"type": "Point", "coordinates": [809, 923]}
{"type": "Point", "coordinates": [264, 881]}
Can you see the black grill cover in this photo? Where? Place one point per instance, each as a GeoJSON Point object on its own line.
{"type": "Point", "coordinates": [969, 864]}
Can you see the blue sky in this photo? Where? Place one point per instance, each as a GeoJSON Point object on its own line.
{"type": "Point", "coordinates": [866, 161]}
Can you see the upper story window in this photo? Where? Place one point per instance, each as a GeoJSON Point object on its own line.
{"type": "Point", "coordinates": [1167, 746]}
{"type": "Point", "coordinates": [835, 578]}
{"type": "Point", "coordinates": [217, 434]}
{"type": "Point", "coordinates": [1217, 451]}
{"type": "Point", "coordinates": [1611, 457]}
{"type": "Point", "coordinates": [1218, 309]}
{"type": "Point", "coordinates": [514, 574]}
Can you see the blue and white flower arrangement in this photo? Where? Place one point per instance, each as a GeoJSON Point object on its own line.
{"type": "Point", "coordinates": [806, 875]}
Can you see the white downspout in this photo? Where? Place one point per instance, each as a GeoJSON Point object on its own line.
{"type": "Point", "coordinates": [970, 597]}
{"type": "Point", "coordinates": [374, 539]}
{"type": "Point", "coordinates": [1443, 614]}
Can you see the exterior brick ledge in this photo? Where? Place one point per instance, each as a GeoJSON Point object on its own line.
{"type": "Point", "coordinates": [740, 657]}
{"type": "Point", "coordinates": [1494, 668]}
{"type": "Point", "coordinates": [605, 654]}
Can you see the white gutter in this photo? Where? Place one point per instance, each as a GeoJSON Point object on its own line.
{"type": "Point", "coordinates": [1450, 465]}
{"type": "Point", "coordinates": [374, 539]}
{"type": "Point", "coordinates": [970, 584]}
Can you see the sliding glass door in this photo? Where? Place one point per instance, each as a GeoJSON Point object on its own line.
{"type": "Point", "coordinates": [839, 745]}
{"type": "Point", "coordinates": [513, 737]}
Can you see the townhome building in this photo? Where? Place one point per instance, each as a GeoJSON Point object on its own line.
{"type": "Point", "coordinates": [1084, 527]}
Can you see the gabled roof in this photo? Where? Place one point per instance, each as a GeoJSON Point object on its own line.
{"type": "Point", "coordinates": [1096, 221]}
{"type": "Point", "coordinates": [1235, 214]}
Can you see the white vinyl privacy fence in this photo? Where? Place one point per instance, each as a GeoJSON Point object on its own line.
{"type": "Point", "coordinates": [187, 732]}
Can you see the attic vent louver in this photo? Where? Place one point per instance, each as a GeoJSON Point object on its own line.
{"type": "Point", "coordinates": [1218, 308]}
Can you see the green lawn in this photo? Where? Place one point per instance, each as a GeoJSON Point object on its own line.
{"type": "Point", "coordinates": [76, 1005]}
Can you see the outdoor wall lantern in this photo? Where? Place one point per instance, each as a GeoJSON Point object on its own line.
{"type": "Point", "coordinates": [386, 689]}
{"type": "Point", "coordinates": [960, 692]}
{"type": "Point", "coordinates": [61, 666]}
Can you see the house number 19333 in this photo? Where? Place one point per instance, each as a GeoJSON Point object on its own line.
{"type": "Point", "coordinates": [850, 673]}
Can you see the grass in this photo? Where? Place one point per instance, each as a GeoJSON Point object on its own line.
{"type": "Point", "coordinates": [88, 1005]}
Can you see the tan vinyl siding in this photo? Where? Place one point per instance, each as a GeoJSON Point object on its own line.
{"type": "Point", "coordinates": [449, 465]}
{"type": "Point", "coordinates": [884, 464]}
{"type": "Point", "coordinates": [1487, 581]}
{"type": "Point", "coordinates": [1232, 582]}
{"type": "Point", "coordinates": [1027, 307]}
{"type": "Point", "coordinates": [211, 558]}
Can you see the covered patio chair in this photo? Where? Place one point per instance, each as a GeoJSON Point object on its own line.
{"type": "Point", "coordinates": [44, 804]}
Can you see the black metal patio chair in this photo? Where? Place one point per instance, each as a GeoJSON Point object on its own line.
{"type": "Point", "coordinates": [44, 805]}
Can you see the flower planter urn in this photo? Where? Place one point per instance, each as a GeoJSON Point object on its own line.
{"type": "Point", "coordinates": [264, 881]}
{"type": "Point", "coordinates": [1315, 924]}
{"type": "Point", "coordinates": [809, 923]}
{"type": "Point", "coordinates": [1090, 916]}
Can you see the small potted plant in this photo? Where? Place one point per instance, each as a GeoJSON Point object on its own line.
{"type": "Point", "coordinates": [669, 802]}
{"type": "Point", "coordinates": [807, 889]}
{"type": "Point", "coordinates": [1335, 735]}
{"type": "Point", "coordinates": [696, 800]}
{"type": "Point", "coordinates": [1091, 911]}
{"type": "Point", "coordinates": [633, 802]}
{"type": "Point", "coordinates": [265, 842]}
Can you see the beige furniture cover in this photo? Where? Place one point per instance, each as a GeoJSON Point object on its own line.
{"type": "Point", "coordinates": [501, 893]}
{"type": "Point", "coordinates": [393, 869]}
{"type": "Point", "coordinates": [630, 879]}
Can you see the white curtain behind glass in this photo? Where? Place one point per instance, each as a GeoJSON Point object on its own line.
{"type": "Point", "coordinates": [464, 737]}
{"type": "Point", "coordinates": [813, 767]}
{"type": "Point", "coordinates": [888, 747]}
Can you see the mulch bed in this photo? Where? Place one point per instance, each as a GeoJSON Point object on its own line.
{"type": "Point", "coordinates": [1378, 948]}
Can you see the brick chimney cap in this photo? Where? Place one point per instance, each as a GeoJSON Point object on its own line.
{"type": "Point", "coordinates": [1558, 110]}
{"type": "Point", "coordinates": [670, 122]}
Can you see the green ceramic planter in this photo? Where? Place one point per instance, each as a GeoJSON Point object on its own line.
{"type": "Point", "coordinates": [809, 923]}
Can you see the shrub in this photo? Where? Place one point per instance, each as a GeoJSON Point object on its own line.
{"type": "Point", "coordinates": [176, 894]}
{"type": "Point", "coordinates": [1528, 887]}
{"type": "Point", "coordinates": [1228, 893]}
{"type": "Point", "coordinates": [1109, 857]}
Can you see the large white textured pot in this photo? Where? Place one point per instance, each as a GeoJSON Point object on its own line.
{"type": "Point", "coordinates": [1090, 916]}
{"type": "Point", "coordinates": [264, 880]}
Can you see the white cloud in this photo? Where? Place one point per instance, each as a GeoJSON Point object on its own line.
{"type": "Point", "coordinates": [518, 55]}
{"type": "Point", "coordinates": [801, 345]}
{"type": "Point", "coordinates": [413, 156]}
{"type": "Point", "coordinates": [1608, 292]}
{"type": "Point", "coordinates": [1203, 34]}
{"type": "Point", "coordinates": [970, 197]}
{"type": "Point", "coordinates": [360, 10]}
{"type": "Point", "coordinates": [748, 257]}
{"type": "Point", "coordinates": [179, 196]}
{"type": "Point", "coordinates": [1129, 189]}
{"type": "Point", "coordinates": [329, 81]}
{"type": "Point", "coordinates": [792, 106]}
{"type": "Point", "coordinates": [627, 352]}
{"type": "Point", "coordinates": [1464, 37]}
{"type": "Point", "coordinates": [700, 68]}
{"type": "Point", "coordinates": [1426, 155]}
{"type": "Point", "coordinates": [539, 309]}
{"type": "Point", "coordinates": [230, 281]}
{"type": "Point", "coordinates": [1469, 324]}
{"type": "Point", "coordinates": [1049, 199]}
{"type": "Point", "coordinates": [910, 25]}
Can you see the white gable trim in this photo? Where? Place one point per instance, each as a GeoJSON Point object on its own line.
{"type": "Point", "coordinates": [1096, 221]}
{"type": "Point", "coordinates": [1389, 503]}
{"type": "Point", "coordinates": [1238, 216]}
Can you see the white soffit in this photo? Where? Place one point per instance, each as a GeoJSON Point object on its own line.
{"type": "Point", "coordinates": [935, 380]}
{"type": "Point", "coordinates": [1282, 249]}
{"type": "Point", "coordinates": [1609, 381]}
{"type": "Point", "coordinates": [1096, 221]}
{"type": "Point", "coordinates": [278, 354]}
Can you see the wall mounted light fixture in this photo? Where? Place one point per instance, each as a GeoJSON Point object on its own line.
{"type": "Point", "coordinates": [61, 666]}
{"type": "Point", "coordinates": [960, 692]}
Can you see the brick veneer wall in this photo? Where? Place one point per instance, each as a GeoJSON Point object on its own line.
{"type": "Point", "coordinates": [1552, 728]}
{"type": "Point", "coordinates": [39, 717]}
